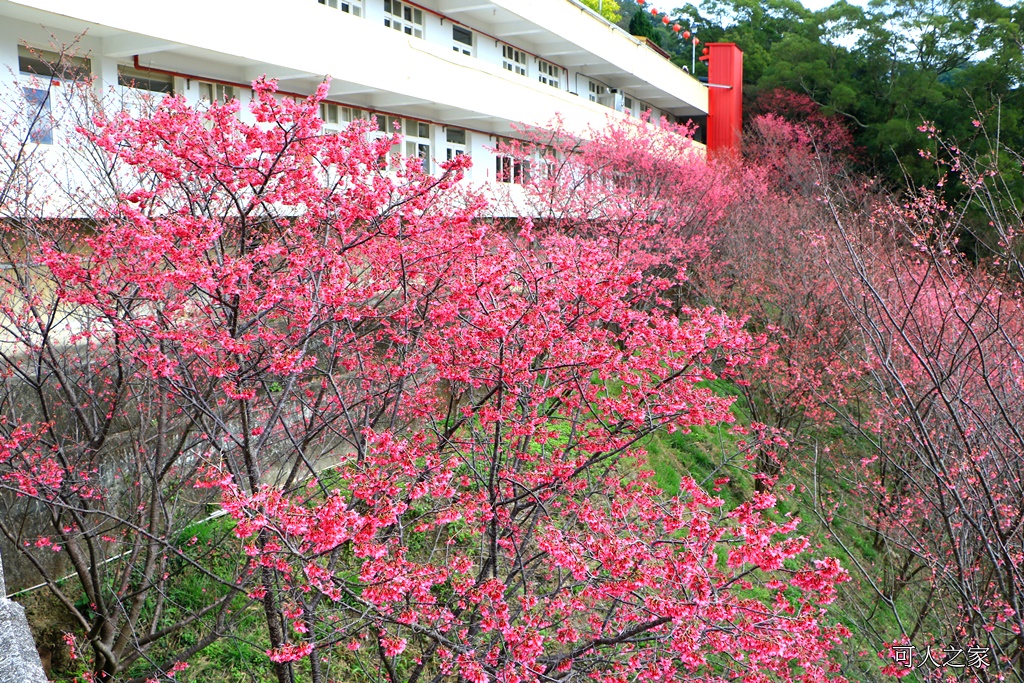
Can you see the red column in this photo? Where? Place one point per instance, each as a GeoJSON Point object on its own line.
{"type": "Point", "coordinates": [725, 104]}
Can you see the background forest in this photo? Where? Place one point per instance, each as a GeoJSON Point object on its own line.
{"type": "Point", "coordinates": [882, 69]}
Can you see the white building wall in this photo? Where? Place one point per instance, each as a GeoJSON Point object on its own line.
{"type": "Point", "coordinates": [374, 68]}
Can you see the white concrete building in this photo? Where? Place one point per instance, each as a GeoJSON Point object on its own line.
{"type": "Point", "coordinates": [456, 74]}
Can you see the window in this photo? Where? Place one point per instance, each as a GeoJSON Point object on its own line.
{"type": "Point", "coordinates": [602, 94]}
{"type": "Point", "coordinates": [336, 116]}
{"type": "Point", "coordinates": [386, 127]}
{"type": "Point", "coordinates": [510, 169]}
{"type": "Point", "coordinates": [548, 161]}
{"type": "Point", "coordinates": [455, 139]}
{"type": "Point", "coordinates": [387, 124]}
{"type": "Point", "coordinates": [144, 80]}
{"type": "Point", "coordinates": [52, 66]}
{"type": "Point", "coordinates": [330, 114]}
{"type": "Point", "coordinates": [462, 40]}
{"type": "Point", "coordinates": [350, 114]}
{"type": "Point", "coordinates": [627, 106]}
{"type": "Point", "coordinates": [37, 105]}
{"type": "Point", "coordinates": [513, 59]}
{"type": "Point", "coordinates": [351, 6]}
{"type": "Point", "coordinates": [216, 92]}
{"type": "Point", "coordinates": [548, 73]}
{"type": "Point", "coordinates": [417, 142]}
{"type": "Point", "coordinates": [402, 17]}
{"type": "Point", "coordinates": [639, 107]}
{"type": "Point", "coordinates": [48, 64]}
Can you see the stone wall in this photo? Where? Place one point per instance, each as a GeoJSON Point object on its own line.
{"type": "Point", "coordinates": [19, 661]}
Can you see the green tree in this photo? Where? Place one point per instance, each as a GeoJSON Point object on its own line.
{"type": "Point", "coordinates": [887, 68]}
{"type": "Point", "coordinates": [640, 25]}
{"type": "Point", "coordinates": [609, 9]}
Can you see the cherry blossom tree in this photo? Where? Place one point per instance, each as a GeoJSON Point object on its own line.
{"type": "Point", "coordinates": [893, 377]}
{"type": "Point", "coordinates": [766, 260]}
{"type": "Point", "coordinates": [938, 484]}
{"type": "Point", "coordinates": [425, 427]}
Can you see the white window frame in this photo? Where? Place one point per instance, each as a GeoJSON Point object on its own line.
{"type": "Point", "coordinates": [403, 17]}
{"type": "Point", "coordinates": [515, 60]}
{"type": "Point", "coordinates": [547, 159]}
{"type": "Point", "coordinates": [43, 69]}
{"type": "Point", "coordinates": [336, 117]}
{"type": "Point", "coordinates": [416, 139]}
{"type": "Point", "coordinates": [418, 145]}
{"type": "Point", "coordinates": [596, 90]}
{"type": "Point", "coordinates": [456, 142]}
{"type": "Point", "coordinates": [148, 81]}
{"type": "Point", "coordinates": [386, 124]}
{"type": "Point", "coordinates": [217, 92]}
{"type": "Point", "coordinates": [353, 7]}
{"type": "Point", "coordinates": [37, 110]}
{"type": "Point", "coordinates": [460, 45]}
{"type": "Point", "coordinates": [509, 169]}
{"type": "Point", "coordinates": [330, 114]}
{"type": "Point", "coordinates": [549, 74]}
{"type": "Point", "coordinates": [50, 65]}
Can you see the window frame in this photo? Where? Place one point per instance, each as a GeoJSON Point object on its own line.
{"type": "Point", "coordinates": [46, 69]}
{"type": "Point", "coordinates": [339, 116]}
{"type": "Point", "coordinates": [468, 49]}
{"type": "Point", "coordinates": [52, 65]}
{"type": "Point", "coordinates": [549, 74]}
{"type": "Point", "coordinates": [454, 148]}
{"type": "Point", "coordinates": [515, 60]}
{"type": "Point", "coordinates": [420, 144]}
{"type": "Point", "coordinates": [140, 79]}
{"type": "Point", "coordinates": [353, 7]}
{"type": "Point", "coordinates": [413, 140]}
{"type": "Point", "coordinates": [407, 19]}
{"type": "Point", "coordinates": [40, 131]}
{"type": "Point", "coordinates": [216, 90]}
{"type": "Point", "coordinates": [508, 168]}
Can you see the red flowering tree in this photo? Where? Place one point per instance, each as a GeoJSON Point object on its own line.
{"type": "Point", "coordinates": [940, 484]}
{"type": "Point", "coordinates": [648, 190]}
{"type": "Point", "coordinates": [767, 260]}
{"type": "Point", "coordinates": [425, 427]}
{"type": "Point", "coordinates": [803, 137]}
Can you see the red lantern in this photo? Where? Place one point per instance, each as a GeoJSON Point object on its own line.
{"type": "Point", "coordinates": [686, 35]}
{"type": "Point", "coordinates": [696, 40]}
{"type": "Point", "coordinates": [639, 2]}
{"type": "Point", "coordinates": [704, 51]}
{"type": "Point", "coordinates": [677, 28]}
{"type": "Point", "coordinates": [654, 11]}
{"type": "Point", "coordinates": [664, 20]}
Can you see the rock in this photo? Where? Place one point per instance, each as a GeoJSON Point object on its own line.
{"type": "Point", "coordinates": [19, 661]}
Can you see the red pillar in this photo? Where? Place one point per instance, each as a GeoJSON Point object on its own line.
{"type": "Point", "coordinates": [725, 104]}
